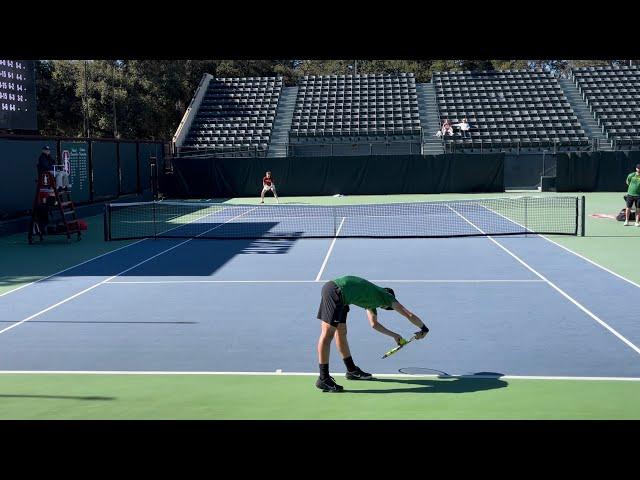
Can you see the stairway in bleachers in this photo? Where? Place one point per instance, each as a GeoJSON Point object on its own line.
{"type": "Point", "coordinates": [429, 119]}
{"type": "Point", "coordinates": [235, 116]}
{"type": "Point", "coordinates": [282, 122]}
{"type": "Point", "coordinates": [612, 96]}
{"type": "Point", "coordinates": [585, 117]}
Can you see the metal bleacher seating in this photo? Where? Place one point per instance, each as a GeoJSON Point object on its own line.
{"type": "Point", "coordinates": [236, 116]}
{"type": "Point", "coordinates": [613, 97]}
{"type": "Point", "coordinates": [357, 110]}
{"type": "Point", "coordinates": [513, 110]}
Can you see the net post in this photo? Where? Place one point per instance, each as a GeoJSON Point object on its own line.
{"type": "Point", "coordinates": [583, 216]}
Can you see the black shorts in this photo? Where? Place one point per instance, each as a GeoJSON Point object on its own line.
{"type": "Point", "coordinates": [631, 199]}
{"type": "Point", "coordinates": [332, 308]}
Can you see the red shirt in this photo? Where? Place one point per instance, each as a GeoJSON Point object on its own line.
{"type": "Point", "coordinates": [267, 181]}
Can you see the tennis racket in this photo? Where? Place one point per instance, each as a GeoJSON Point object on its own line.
{"type": "Point", "coordinates": [403, 342]}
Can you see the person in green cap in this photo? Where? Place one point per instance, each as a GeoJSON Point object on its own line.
{"type": "Point", "coordinates": [337, 295]}
{"type": "Point", "coordinates": [633, 195]}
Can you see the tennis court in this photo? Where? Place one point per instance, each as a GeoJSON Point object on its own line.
{"type": "Point", "coordinates": [230, 323]}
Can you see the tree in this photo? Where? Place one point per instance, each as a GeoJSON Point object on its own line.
{"type": "Point", "coordinates": [146, 99]}
{"type": "Point", "coordinates": [59, 107]}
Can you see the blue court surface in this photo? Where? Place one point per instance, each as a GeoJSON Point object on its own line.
{"type": "Point", "coordinates": [519, 305]}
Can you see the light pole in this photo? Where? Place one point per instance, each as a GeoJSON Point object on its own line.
{"type": "Point", "coordinates": [86, 103]}
{"type": "Point", "coordinates": [115, 123]}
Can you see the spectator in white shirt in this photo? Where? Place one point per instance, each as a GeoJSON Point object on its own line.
{"type": "Point", "coordinates": [464, 128]}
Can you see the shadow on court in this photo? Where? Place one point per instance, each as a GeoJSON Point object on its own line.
{"type": "Point", "coordinates": [57, 397]}
{"type": "Point", "coordinates": [423, 385]}
{"type": "Point", "coordinates": [23, 263]}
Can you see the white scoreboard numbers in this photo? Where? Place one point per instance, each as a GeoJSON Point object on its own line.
{"type": "Point", "coordinates": [18, 109]}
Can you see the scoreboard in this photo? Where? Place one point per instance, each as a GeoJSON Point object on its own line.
{"type": "Point", "coordinates": [18, 109]}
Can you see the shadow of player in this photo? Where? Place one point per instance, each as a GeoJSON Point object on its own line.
{"type": "Point", "coordinates": [57, 397]}
{"type": "Point", "coordinates": [442, 385]}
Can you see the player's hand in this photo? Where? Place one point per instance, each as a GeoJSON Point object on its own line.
{"type": "Point", "coordinates": [422, 333]}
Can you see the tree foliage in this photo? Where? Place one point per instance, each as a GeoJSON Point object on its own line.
{"type": "Point", "coordinates": [146, 99]}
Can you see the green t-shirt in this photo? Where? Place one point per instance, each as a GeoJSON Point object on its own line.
{"type": "Point", "coordinates": [634, 184]}
{"type": "Point", "coordinates": [363, 293]}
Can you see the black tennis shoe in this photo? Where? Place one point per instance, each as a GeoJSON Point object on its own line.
{"type": "Point", "coordinates": [358, 374]}
{"type": "Point", "coordinates": [328, 385]}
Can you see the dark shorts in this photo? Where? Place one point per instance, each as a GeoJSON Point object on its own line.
{"type": "Point", "coordinates": [631, 199]}
{"type": "Point", "coordinates": [332, 308]}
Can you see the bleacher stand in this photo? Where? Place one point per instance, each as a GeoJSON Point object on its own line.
{"type": "Point", "coordinates": [517, 111]}
{"type": "Point", "coordinates": [356, 115]}
{"type": "Point", "coordinates": [613, 97]}
{"type": "Point", "coordinates": [236, 117]}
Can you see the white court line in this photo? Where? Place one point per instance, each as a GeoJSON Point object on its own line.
{"type": "Point", "coordinates": [94, 258]}
{"type": "Point", "coordinates": [592, 262]}
{"type": "Point", "coordinates": [110, 278]}
{"type": "Point", "coordinates": [570, 251]}
{"type": "Point", "coordinates": [320, 281]}
{"type": "Point", "coordinates": [326, 259]}
{"type": "Point", "coordinates": [306, 374]}
{"type": "Point", "coordinates": [70, 268]}
{"type": "Point", "coordinates": [554, 286]}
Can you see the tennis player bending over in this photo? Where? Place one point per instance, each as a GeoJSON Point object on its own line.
{"type": "Point", "coordinates": [337, 295]}
{"type": "Point", "coordinates": [267, 184]}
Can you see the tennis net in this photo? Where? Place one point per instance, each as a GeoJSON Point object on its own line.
{"type": "Point", "coordinates": [554, 215]}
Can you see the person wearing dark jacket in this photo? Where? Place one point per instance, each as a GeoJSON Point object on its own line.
{"type": "Point", "coordinates": [45, 161]}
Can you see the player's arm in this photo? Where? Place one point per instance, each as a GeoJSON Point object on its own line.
{"type": "Point", "coordinates": [412, 317]}
{"type": "Point", "coordinates": [377, 326]}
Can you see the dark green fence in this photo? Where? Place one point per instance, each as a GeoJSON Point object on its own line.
{"type": "Point", "coordinates": [100, 169]}
{"type": "Point", "coordinates": [145, 152]}
{"type": "Point", "coordinates": [595, 172]}
{"type": "Point", "coordinates": [104, 161]}
{"type": "Point", "coordinates": [127, 153]}
{"type": "Point", "coordinates": [366, 175]}
{"type": "Point", "coordinates": [18, 162]}
{"type": "Point", "coordinates": [80, 177]}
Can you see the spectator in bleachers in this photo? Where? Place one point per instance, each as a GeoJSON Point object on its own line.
{"type": "Point", "coordinates": [464, 127]}
{"type": "Point", "coordinates": [446, 129]}
{"type": "Point", "coordinates": [633, 195]}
